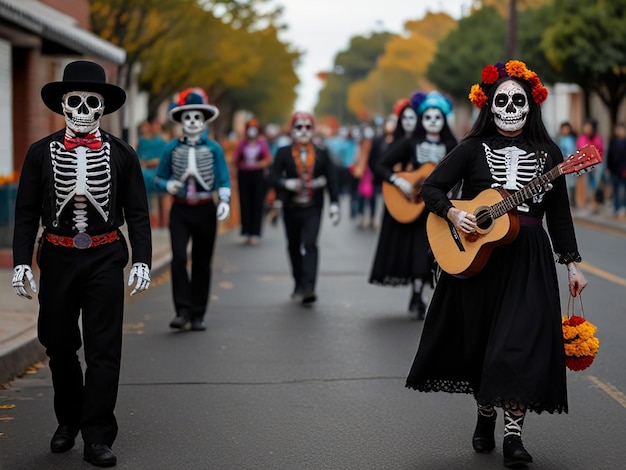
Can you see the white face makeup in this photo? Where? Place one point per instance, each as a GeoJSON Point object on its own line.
{"type": "Point", "coordinates": [193, 123]}
{"type": "Point", "coordinates": [252, 132]}
{"type": "Point", "coordinates": [510, 106]}
{"type": "Point", "coordinates": [82, 111]}
{"type": "Point", "coordinates": [408, 120]}
{"type": "Point", "coordinates": [433, 120]}
{"type": "Point", "coordinates": [302, 131]}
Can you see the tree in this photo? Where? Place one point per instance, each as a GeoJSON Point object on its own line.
{"type": "Point", "coordinates": [213, 44]}
{"type": "Point", "coordinates": [586, 43]}
{"type": "Point", "coordinates": [478, 40]}
{"type": "Point", "coordinates": [401, 70]}
{"type": "Point", "coordinates": [350, 66]}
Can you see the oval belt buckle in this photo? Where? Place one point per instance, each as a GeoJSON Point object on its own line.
{"type": "Point", "coordinates": [82, 241]}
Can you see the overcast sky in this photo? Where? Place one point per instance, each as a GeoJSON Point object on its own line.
{"type": "Point", "coordinates": [322, 28]}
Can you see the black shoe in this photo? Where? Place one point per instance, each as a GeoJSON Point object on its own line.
{"type": "Point", "coordinates": [515, 456]}
{"type": "Point", "coordinates": [63, 439]}
{"type": "Point", "coordinates": [198, 325]}
{"type": "Point", "coordinates": [483, 440]}
{"type": "Point", "coordinates": [417, 306]}
{"type": "Point", "coordinates": [297, 294]}
{"type": "Point", "coordinates": [179, 322]}
{"type": "Point", "coordinates": [99, 455]}
{"type": "Point", "coordinates": [308, 297]}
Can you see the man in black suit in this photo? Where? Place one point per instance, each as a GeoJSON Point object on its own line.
{"type": "Point", "coordinates": [301, 171]}
{"type": "Point", "coordinates": [82, 184]}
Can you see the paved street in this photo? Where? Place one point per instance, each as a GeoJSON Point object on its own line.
{"type": "Point", "coordinates": [274, 385]}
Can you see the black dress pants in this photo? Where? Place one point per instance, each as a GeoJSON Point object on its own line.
{"type": "Point", "coordinates": [252, 191]}
{"type": "Point", "coordinates": [302, 226]}
{"type": "Point", "coordinates": [88, 282]}
{"type": "Point", "coordinates": [198, 224]}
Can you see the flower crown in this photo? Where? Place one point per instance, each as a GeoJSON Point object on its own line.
{"type": "Point", "coordinates": [513, 68]}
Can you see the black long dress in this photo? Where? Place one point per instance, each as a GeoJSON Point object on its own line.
{"type": "Point", "coordinates": [498, 334]}
{"type": "Point", "coordinates": [402, 253]}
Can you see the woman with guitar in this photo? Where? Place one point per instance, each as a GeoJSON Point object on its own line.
{"type": "Point", "coordinates": [402, 255]}
{"type": "Point", "coordinates": [496, 333]}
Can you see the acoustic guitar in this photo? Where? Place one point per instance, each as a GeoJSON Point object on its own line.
{"type": "Point", "coordinates": [465, 254]}
{"type": "Point", "coordinates": [406, 210]}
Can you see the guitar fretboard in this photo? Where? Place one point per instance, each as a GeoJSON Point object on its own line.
{"type": "Point", "coordinates": [536, 186]}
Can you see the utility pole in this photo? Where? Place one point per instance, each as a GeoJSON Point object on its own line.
{"type": "Point", "coordinates": [512, 42]}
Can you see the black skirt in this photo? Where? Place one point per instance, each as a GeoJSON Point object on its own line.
{"type": "Point", "coordinates": [498, 334]}
{"type": "Point", "coordinates": [402, 254]}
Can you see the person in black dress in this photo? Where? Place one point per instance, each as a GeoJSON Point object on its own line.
{"type": "Point", "coordinates": [498, 334]}
{"type": "Point", "coordinates": [402, 254]}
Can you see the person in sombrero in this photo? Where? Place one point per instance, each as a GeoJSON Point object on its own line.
{"type": "Point", "coordinates": [82, 184]}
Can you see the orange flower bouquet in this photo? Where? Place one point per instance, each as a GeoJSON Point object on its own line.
{"type": "Point", "coordinates": [581, 346]}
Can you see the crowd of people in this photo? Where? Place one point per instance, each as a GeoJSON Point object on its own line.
{"type": "Point", "coordinates": [494, 334]}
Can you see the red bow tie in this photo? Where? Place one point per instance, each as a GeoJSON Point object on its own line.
{"type": "Point", "coordinates": [90, 141]}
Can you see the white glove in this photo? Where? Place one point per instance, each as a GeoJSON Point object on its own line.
{"type": "Point", "coordinates": [334, 214]}
{"type": "Point", "coordinates": [20, 272]}
{"type": "Point", "coordinates": [173, 186]}
{"type": "Point", "coordinates": [223, 211]}
{"type": "Point", "coordinates": [403, 185]}
{"type": "Point", "coordinates": [293, 184]}
{"type": "Point", "coordinates": [140, 272]}
{"type": "Point", "coordinates": [462, 220]}
{"type": "Point", "coordinates": [318, 182]}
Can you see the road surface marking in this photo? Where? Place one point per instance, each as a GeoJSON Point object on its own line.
{"type": "Point", "coordinates": [610, 390]}
{"type": "Point", "coordinates": [602, 273]}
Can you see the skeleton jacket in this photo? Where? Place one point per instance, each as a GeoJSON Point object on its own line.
{"type": "Point", "coordinates": [81, 190]}
{"type": "Point", "coordinates": [208, 167]}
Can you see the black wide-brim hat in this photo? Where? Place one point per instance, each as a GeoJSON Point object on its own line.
{"type": "Point", "coordinates": [83, 75]}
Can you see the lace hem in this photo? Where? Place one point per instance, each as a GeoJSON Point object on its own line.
{"type": "Point", "coordinates": [456, 386]}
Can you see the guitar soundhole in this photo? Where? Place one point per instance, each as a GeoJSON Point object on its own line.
{"type": "Point", "coordinates": [484, 221]}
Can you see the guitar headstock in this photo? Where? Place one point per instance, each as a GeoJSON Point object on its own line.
{"type": "Point", "coordinates": [581, 161]}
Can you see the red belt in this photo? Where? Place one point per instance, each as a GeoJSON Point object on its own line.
{"type": "Point", "coordinates": [192, 202]}
{"type": "Point", "coordinates": [82, 241]}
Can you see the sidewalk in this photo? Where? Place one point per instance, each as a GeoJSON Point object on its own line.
{"type": "Point", "coordinates": [19, 347]}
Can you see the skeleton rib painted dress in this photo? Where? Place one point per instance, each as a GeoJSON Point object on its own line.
{"type": "Point", "coordinates": [498, 334]}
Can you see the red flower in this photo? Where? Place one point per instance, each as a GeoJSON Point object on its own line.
{"type": "Point", "coordinates": [578, 363]}
{"type": "Point", "coordinates": [490, 74]}
{"type": "Point", "coordinates": [540, 93]}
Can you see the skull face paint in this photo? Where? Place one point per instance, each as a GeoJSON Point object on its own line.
{"type": "Point", "coordinates": [82, 111]}
{"type": "Point", "coordinates": [408, 120]}
{"type": "Point", "coordinates": [433, 121]}
{"type": "Point", "coordinates": [510, 106]}
{"type": "Point", "coordinates": [193, 123]}
{"type": "Point", "coordinates": [302, 130]}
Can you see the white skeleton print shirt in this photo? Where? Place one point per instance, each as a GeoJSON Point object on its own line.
{"type": "Point", "coordinates": [194, 160]}
{"type": "Point", "coordinates": [430, 152]}
{"type": "Point", "coordinates": [513, 167]}
{"type": "Point", "coordinates": [82, 183]}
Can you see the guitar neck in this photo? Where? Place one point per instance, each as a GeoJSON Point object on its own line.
{"type": "Point", "coordinates": [536, 186]}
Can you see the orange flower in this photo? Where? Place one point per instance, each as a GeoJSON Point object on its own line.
{"type": "Point", "coordinates": [515, 68]}
{"type": "Point", "coordinates": [477, 96]}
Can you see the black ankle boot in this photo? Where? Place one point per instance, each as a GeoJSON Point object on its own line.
{"type": "Point", "coordinates": [515, 456]}
{"type": "Point", "coordinates": [483, 440]}
{"type": "Point", "coordinates": [417, 307]}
